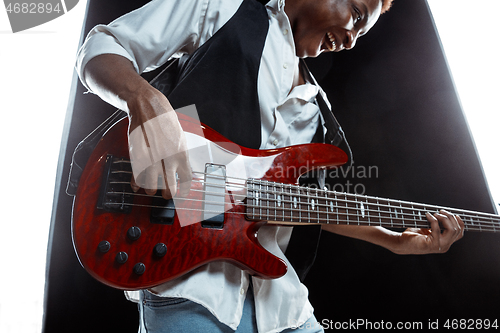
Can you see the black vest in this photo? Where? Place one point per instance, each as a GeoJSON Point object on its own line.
{"type": "Point", "coordinates": [220, 78]}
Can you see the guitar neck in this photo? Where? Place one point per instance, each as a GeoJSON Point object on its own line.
{"type": "Point", "coordinates": [296, 205]}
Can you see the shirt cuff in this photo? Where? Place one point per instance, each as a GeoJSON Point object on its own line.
{"type": "Point", "coordinates": [99, 42]}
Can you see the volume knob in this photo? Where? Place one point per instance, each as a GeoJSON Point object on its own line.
{"type": "Point", "coordinates": [160, 250]}
{"type": "Point", "coordinates": [133, 233]}
{"type": "Point", "coordinates": [104, 246]}
{"type": "Point", "coordinates": [139, 268]}
{"type": "Point", "coordinates": [121, 257]}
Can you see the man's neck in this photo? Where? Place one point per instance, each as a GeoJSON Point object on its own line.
{"type": "Point", "coordinates": [292, 10]}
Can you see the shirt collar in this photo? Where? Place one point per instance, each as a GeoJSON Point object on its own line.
{"type": "Point", "coordinates": [306, 92]}
{"type": "Point", "coordinates": [276, 5]}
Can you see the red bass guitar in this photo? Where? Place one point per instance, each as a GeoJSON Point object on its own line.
{"type": "Point", "coordinates": [133, 240]}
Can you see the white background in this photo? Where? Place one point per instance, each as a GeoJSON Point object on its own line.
{"type": "Point", "coordinates": [35, 77]}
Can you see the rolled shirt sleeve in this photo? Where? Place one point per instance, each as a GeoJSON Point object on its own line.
{"type": "Point", "coordinates": [156, 32]}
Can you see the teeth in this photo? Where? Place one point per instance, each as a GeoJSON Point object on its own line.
{"type": "Point", "coordinates": [332, 40]}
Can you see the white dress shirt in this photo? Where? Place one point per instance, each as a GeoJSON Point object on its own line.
{"type": "Point", "coordinates": [162, 29]}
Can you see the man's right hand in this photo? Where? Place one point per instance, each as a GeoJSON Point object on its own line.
{"type": "Point", "coordinates": [155, 131]}
{"type": "Point", "coordinates": [152, 119]}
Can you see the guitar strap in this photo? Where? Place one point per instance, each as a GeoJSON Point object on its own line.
{"type": "Point", "coordinates": [204, 80]}
{"type": "Point", "coordinates": [303, 245]}
{"type": "Point", "coordinates": [334, 133]}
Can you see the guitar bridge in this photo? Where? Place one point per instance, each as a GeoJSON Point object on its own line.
{"type": "Point", "coordinates": [116, 194]}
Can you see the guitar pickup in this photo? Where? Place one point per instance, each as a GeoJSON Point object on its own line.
{"type": "Point", "coordinates": [162, 211]}
{"type": "Point", "coordinates": [116, 194]}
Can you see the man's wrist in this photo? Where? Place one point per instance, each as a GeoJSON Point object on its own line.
{"type": "Point", "coordinates": [145, 104]}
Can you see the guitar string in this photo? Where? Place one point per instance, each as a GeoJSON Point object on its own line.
{"type": "Point", "coordinates": [339, 210]}
{"type": "Point", "coordinates": [320, 191]}
{"type": "Point", "coordinates": [320, 220]}
{"type": "Point", "coordinates": [397, 210]}
{"type": "Point", "coordinates": [356, 196]}
{"type": "Point", "coordinates": [394, 222]}
{"type": "Point", "coordinates": [463, 213]}
{"type": "Point", "coordinates": [397, 204]}
{"type": "Point", "coordinates": [328, 208]}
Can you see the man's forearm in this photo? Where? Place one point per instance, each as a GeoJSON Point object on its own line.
{"type": "Point", "coordinates": [445, 229]}
{"type": "Point", "coordinates": [114, 79]}
{"type": "Point", "coordinates": [376, 235]}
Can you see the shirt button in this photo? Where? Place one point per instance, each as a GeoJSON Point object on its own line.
{"type": "Point", "coordinates": [242, 291]}
{"type": "Point", "coordinates": [285, 66]}
{"type": "Point", "coordinates": [275, 142]}
{"type": "Point", "coordinates": [285, 32]}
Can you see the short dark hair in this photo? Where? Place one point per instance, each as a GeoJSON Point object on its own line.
{"type": "Point", "coordinates": [386, 4]}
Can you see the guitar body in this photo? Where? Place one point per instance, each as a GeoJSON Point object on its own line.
{"type": "Point", "coordinates": [138, 245]}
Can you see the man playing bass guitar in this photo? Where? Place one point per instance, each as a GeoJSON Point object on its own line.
{"type": "Point", "coordinates": [236, 49]}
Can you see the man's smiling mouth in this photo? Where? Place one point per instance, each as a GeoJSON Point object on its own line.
{"type": "Point", "coordinates": [330, 42]}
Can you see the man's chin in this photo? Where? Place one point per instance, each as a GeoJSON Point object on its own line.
{"type": "Point", "coordinates": [308, 53]}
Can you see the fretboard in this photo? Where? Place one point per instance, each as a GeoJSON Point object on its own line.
{"type": "Point", "coordinates": [292, 204]}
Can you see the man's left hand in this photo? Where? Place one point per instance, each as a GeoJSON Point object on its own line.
{"type": "Point", "coordinates": [446, 229]}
